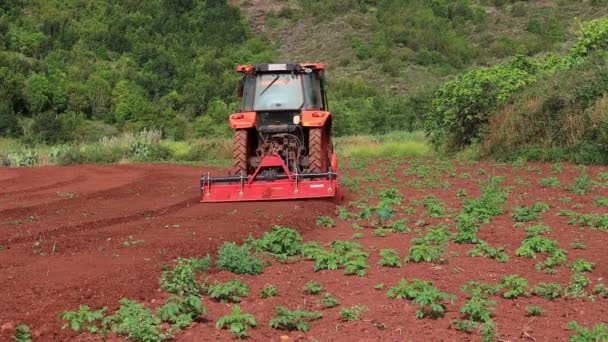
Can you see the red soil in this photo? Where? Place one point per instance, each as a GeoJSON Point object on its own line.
{"type": "Point", "coordinates": [65, 227]}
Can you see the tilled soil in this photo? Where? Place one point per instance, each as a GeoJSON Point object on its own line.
{"type": "Point", "coordinates": [95, 234]}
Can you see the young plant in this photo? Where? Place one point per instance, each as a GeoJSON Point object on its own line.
{"type": "Point", "coordinates": [581, 265]}
{"type": "Point", "coordinates": [237, 322]}
{"type": "Point", "coordinates": [550, 182]}
{"type": "Point", "coordinates": [325, 221]}
{"type": "Point", "coordinates": [576, 244]}
{"type": "Point", "coordinates": [534, 310]}
{"type": "Point", "coordinates": [531, 246]}
{"type": "Point", "coordinates": [269, 291]}
{"type": "Point", "coordinates": [424, 294]}
{"type": "Point", "coordinates": [328, 300]}
{"type": "Point", "coordinates": [238, 259]}
{"type": "Point", "coordinates": [598, 333]}
{"type": "Point", "coordinates": [514, 286]}
{"type": "Point", "coordinates": [353, 313]}
{"type": "Point", "coordinates": [22, 333]}
{"type": "Point", "coordinates": [550, 291]}
{"type": "Point", "coordinates": [282, 242]}
{"type": "Point", "coordinates": [537, 230]}
{"type": "Point", "coordinates": [136, 323]}
{"type": "Point", "coordinates": [181, 312]}
{"type": "Point", "coordinates": [293, 319]}
{"type": "Point", "coordinates": [482, 249]}
{"type": "Point", "coordinates": [84, 318]}
{"type": "Point", "coordinates": [230, 291]}
{"type": "Point", "coordinates": [389, 258]}
{"type": "Point", "coordinates": [577, 287]}
{"type": "Point", "coordinates": [600, 290]}
{"type": "Point", "coordinates": [524, 214]}
{"type": "Point", "coordinates": [181, 279]}
{"type": "Point", "coordinates": [313, 288]}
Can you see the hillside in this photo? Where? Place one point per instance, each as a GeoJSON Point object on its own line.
{"type": "Point", "coordinates": [73, 72]}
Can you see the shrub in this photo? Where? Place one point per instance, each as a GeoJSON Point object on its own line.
{"type": "Point", "coordinates": [238, 260]}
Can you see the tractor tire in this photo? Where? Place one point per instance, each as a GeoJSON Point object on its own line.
{"type": "Point", "coordinates": [316, 156]}
{"type": "Point", "coordinates": [239, 152]}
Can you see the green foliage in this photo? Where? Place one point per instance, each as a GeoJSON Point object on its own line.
{"type": "Point", "coordinates": [482, 249]}
{"type": "Point", "coordinates": [22, 333]}
{"type": "Point", "coordinates": [429, 248]}
{"type": "Point", "coordinates": [230, 291]}
{"type": "Point", "coordinates": [534, 310]}
{"type": "Point", "coordinates": [424, 294]}
{"type": "Point", "coordinates": [343, 254]}
{"type": "Point", "coordinates": [477, 289]}
{"type": "Point", "coordinates": [293, 319]}
{"type": "Point", "coordinates": [599, 332]}
{"type": "Point", "coordinates": [328, 300]}
{"type": "Point", "coordinates": [581, 265]}
{"type": "Point", "coordinates": [325, 221]}
{"type": "Point", "coordinates": [238, 260]}
{"type": "Point", "coordinates": [514, 286]}
{"type": "Point", "coordinates": [389, 258]}
{"type": "Point", "coordinates": [281, 241]}
{"type": "Point", "coordinates": [353, 313]}
{"type": "Point", "coordinates": [435, 207]}
{"type": "Point", "coordinates": [136, 323]}
{"type": "Point", "coordinates": [537, 230]}
{"type": "Point", "coordinates": [537, 244]}
{"type": "Point", "coordinates": [237, 322]}
{"type": "Point", "coordinates": [550, 182]}
{"type": "Point", "coordinates": [524, 214]}
{"type": "Point", "coordinates": [313, 287]}
{"type": "Point", "coordinates": [388, 196]}
{"type": "Point", "coordinates": [600, 290]}
{"type": "Point", "coordinates": [577, 286]}
{"type": "Point", "coordinates": [181, 279]}
{"type": "Point", "coordinates": [550, 291]}
{"type": "Point", "coordinates": [593, 36]}
{"type": "Point", "coordinates": [181, 312]}
{"type": "Point", "coordinates": [269, 291]}
{"type": "Point", "coordinates": [83, 319]}
{"type": "Point", "coordinates": [600, 201]}
{"type": "Point", "coordinates": [478, 309]}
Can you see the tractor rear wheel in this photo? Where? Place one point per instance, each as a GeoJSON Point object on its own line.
{"type": "Point", "coordinates": [316, 157]}
{"type": "Point", "coordinates": [239, 152]}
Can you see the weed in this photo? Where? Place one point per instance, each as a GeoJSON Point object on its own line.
{"type": "Point", "coordinates": [84, 318]}
{"type": "Point", "coordinates": [328, 300]}
{"type": "Point", "coordinates": [379, 286]}
{"type": "Point", "coordinates": [237, 322]}
{"type": "Point", "coordinates": [269, 291]}
{"type": "Point", "coordinates": [515, 286]}
{"type": "Point", "coordinates": [22, 334]}
{"type": "Point", "coordinates": [344, 214]}
{"type": "Point", "coordinates": [230, 291]}
{"type": "Point", "coordinates": [482, 249]}
{"type": "Point", "coordinates": [181, 312]}
{"type": "Point", "coordinates": [550, 182]}
{"type": "Point", "coordinates": [550, 291]}
{"type": "Point", "coordinates": [534, 310]}
{"type": "Point", "coordinates": [357, 236]}
{"type": "Point", "coordinates": [293, 319]}
{"type": "Point", "coordinates": [600, 201]}
{"type": "Point", "coordinates": [325, 221]}
{"type": "Point", "coordinates": [353, 313]}
{"type": "Point", "coordinates": [389, 258]}
{"type": "Point", "coordinates": [181, 280]}
{"type": "Point", "coordinates": [581, 265]}
{"type": "Point", "coordinates": [313, 288]}
{"type": "Point", "coordinates": [380, 232]}
{"type": "Point", "coordinates": [599, 332]}
{"type": "Point", "coordinates": [565, 199]}
{"type": "Point", "coordinates": [557, 168]}
{"type": "Point", "coordinates": [238, 260]}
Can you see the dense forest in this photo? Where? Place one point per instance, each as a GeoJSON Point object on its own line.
{"type": "Point", "coordinates": [78, 70]}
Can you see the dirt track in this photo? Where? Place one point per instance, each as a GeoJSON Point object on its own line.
{"type": "Point", "coordinates": [67, 231]}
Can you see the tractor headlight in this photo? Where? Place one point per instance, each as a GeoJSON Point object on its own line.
{"type": "Point", "coordinates": [296, 119]}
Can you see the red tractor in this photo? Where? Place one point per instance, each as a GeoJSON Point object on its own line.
{"type": "Point", "coordinates": [282, 145]}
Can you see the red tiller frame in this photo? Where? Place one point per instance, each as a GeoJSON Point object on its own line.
{"type": "Point", "coordinates": [289, 186]}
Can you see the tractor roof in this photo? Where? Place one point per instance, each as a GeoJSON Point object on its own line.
{"type": "Point", "coordinates": [274, 67]}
